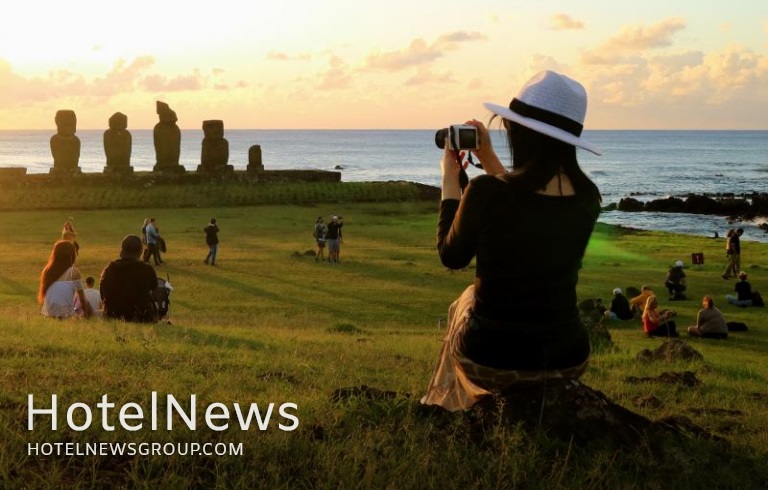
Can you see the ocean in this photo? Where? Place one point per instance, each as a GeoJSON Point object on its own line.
{"type": "Point", "coordinates": [642, 164]}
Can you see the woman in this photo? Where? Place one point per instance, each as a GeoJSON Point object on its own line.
{"type": "Point", "coordinates": [319, 235]}
{"type": "Point", "coordinates": [528, 229]}
{"type": "Point", "coordinates": [710, 322]}
{"type": "Point", "coordinates": [657, 323]}
{"type": "Point", "coordinates": [68, 233]}
{"type": "Point", "coordinates": [60, 282]}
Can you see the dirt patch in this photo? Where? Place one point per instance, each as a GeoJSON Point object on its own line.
{"type": "Point", "coordinates": [671, 350]}
{"type": "Point", "coordinates": [566, 409]}
{"type": "Point", "coordinates": [716, 412]}
{"type": "Point", "coordinates": [647, 401]}
{"type": "Point", "coordinates": [686, 378]}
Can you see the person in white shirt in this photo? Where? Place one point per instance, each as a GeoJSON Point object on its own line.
{"type": "Point", "coordinates": [92, 297]}
{"type": "Point", "coordinates": [60, 282]}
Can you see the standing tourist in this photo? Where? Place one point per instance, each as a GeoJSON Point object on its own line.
{"type": "Point", "coordinates": [319, 234]}
{"type": "Point", "coordinates": [332, 238]}
{"type": "Point", "coordinates": [212, 240]}
{"type": "Point", "coordinates": [528, 230]}
{"type": "Point", "coordinates": [153, 242]}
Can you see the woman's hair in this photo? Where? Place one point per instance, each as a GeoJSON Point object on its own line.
{"type": "Point", "coordinates": [146, 221]}
{"type": "Point", "coordinates": [539, 157]}
{"type": "Point", "coordinates": [707, 300]}
{"type": "Point", "coordinates": [62, 258]}
{"type": "Point", "coordinates": [650, 301]}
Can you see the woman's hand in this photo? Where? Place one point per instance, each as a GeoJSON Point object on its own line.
{"type": "Point", "coordinates": [450, 168]}
{"type": "Point", "coordinates": [485, 153]}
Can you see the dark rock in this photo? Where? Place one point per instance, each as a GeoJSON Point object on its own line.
{"type": "Point", "coordinates": [671, 350]}
{"type": "Point", "coordinates": [630, 204]}
{"type": "Point", "coordinates": [668, 205]}
{"type": "Point", "coordinates": [686, 378]}
{"type": "Point", "coordinates": [647, 401]}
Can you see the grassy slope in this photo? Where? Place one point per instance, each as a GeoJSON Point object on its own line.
{"type": "Point", "coordinates": [272, 325]}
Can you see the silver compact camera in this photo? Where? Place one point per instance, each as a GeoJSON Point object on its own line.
{"type": "Point", "coordinates": [460, 137]}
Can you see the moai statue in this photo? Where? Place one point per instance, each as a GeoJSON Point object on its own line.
{"type": "Point", "coordinates": [167, 137]}
{"type": "Point", "coordinates": [117, 145]}
{"type": "Point", "coordinates": [215, 153]}
{"type": "Point", "coordinates": [65, 146]}
{"type": "Point", "coordinates": [254, 160]}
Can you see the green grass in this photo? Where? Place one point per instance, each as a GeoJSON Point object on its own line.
{"type": "Point", "coordinates": [270, 324]}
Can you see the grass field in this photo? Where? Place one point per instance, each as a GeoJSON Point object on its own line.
{"type": "Point", "coordinates": [269, 324]}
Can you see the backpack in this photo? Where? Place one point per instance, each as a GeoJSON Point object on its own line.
{"type": "Point", "coordinates": [161, 296]}
{"type": "Point", "coordinates": [757, 299]}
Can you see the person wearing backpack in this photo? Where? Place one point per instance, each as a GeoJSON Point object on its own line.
{"type": "Point", "coordinates": [212, 240]}
{"type": "Point", "coordinates": [127, 285]}
{"type": "Point", "coordinates": [319, 234]}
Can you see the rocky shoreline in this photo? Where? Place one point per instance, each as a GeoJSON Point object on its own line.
{"type": "Point", "coordinates": [735, 207]}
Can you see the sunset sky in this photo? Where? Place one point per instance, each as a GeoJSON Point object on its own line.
{"type": "Point", "coordinates": [666, 64]}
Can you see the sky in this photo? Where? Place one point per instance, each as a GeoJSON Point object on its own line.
{"type": "Point", "coordinates": [353, 64]}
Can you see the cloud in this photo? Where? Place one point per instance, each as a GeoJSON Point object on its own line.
{"type": "Point", "coordinates": [694, 89]}
{"type": "Point", "coordinates": [122, 77]}
{"type": "Point", "coordinates": [419, 53]}
{"type": "Point", "coordinates": [281, 56]}
{"type": "Point", "coordinates": [336, 77]}
{"type": "Point", "coordinates": [633, 40]}
{"type": "Point", "coordinates": [564, 22]}
{"type": "Point", "coordinates": [179, 83]}
{"type": "Point", "coordinates": [425, 76]}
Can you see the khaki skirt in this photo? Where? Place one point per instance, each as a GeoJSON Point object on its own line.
{"type": "Point", "coordinates": [458, 382]}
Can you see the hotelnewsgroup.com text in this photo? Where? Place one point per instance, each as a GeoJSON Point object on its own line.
{"type": "Point", "coordinates": [133, 417]}
{"type": "Point", "coordinates": [134, 449]}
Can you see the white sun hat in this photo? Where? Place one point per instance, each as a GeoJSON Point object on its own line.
{"type": "Point", "coordinates": [617, 291]}
{"type": "Point", "coordinates": [551, 104]}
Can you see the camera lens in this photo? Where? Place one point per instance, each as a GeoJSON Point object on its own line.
{"type": "Point", "coordinates": [440, 137]}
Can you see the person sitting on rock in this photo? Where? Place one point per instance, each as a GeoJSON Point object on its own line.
{"type": "Point", "coordinates": [743, 290]}
{"type": "Point", "coordinates": [675, 281]}
{"type": "Point", "coordinates": [657, 323]}
{"type": "Point", "coordinates": [620, 309]}
{"type": "Point", "coordinates": [710, 322]}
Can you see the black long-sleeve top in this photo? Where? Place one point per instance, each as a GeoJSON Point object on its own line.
{"type": "Point", "coordinates": [528, 250]}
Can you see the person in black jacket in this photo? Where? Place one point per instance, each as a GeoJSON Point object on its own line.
{"type": "Point", "coordinates": [527, 230]}
{"type": "Point", "coordinates": [212, 240]}
{"type": "Point", "coordinates": [675, 281]}
{"type": "Point", "coordinates": [127, 285]}
{"type": "Point", "coordinates": [620, 309]}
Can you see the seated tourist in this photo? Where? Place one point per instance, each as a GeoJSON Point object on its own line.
{"type": "Point", "coordinates": [620, 309]}
{"type": "Point", "coordinates": [127, 284]}
{"type": "Point", "coordinates": [60, 282]}
{"type": "Point", "coordinates": [710, 322]}
{"type": "Point", "coordinates": [675, 281]}
{"type": "Point", "coordinates": [92, 297]}
{"type": "Point", "coordinates": [743, 290]}
{"type": "Point", "coordinates": [657, 323]}
{"type": "Point", "coordinates": [637, 303]}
